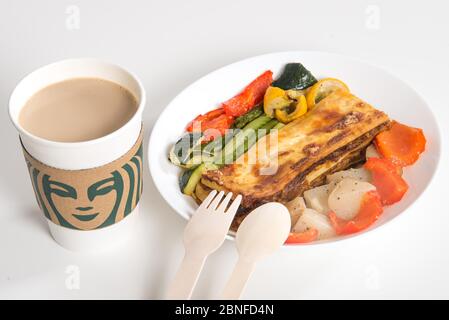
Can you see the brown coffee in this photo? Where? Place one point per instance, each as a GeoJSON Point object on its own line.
{"type": "Point", "coordinates": [77, 110]}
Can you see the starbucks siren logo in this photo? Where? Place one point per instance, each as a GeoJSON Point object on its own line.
{"type": "Point", "coordinates": [91, 198]}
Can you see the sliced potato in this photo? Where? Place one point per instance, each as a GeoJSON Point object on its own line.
{"type": "Point", "coordinates": [346, 197]}
{"type": "Point", "coordinates": [316, 198]}
{"type": "Point", "coordinates": [311, 219]}
{"type": "Point", "coordinates": [296, 208]}
{"type": "Point", "coordinates": [360, 174]}
{"type": "Point", "coordinates": [371, 152]}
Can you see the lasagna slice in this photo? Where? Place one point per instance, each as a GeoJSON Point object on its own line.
{"type": "Point", "coordinates": [331, 137]}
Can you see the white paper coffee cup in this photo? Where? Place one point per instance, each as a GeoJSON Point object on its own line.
{"type": "Point", "coordinates": [80, 157]}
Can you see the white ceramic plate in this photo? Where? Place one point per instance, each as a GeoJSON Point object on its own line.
{"type": "Point", "coordinates": [370, 83]}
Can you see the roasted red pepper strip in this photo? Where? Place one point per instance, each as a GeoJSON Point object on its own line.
{"type": "Point", "coordinates": [203, 118]}
{"type": "Point", "coordinates": [250, 96]}
{"type": "Point", "coordinates": [369, 212]}
{"type": "Point", "coordinates": [302, 237]}
{"type": "Point", "coordinates": [222, 118]}
{"type": "Point", "coordinates": [212, 124]}
{"type": "Point", "coordinates": [216, 127]}
{"type": "Point", "coordinates": [389, 184]}
{"type": "Point", "coordinates": [401, 144]}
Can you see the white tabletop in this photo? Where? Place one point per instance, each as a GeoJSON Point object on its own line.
{"type": "Point", "coordinates": [169, 44]}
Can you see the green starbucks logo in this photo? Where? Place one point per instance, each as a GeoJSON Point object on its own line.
{"type": "Point", "coordinates": [89, 199]}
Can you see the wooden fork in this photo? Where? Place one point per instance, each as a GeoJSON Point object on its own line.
{"type": "Point", "coordinates": [204, 234]}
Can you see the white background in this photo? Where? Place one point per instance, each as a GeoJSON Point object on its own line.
{"type": "Point", "coordinates": [169, 44]}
